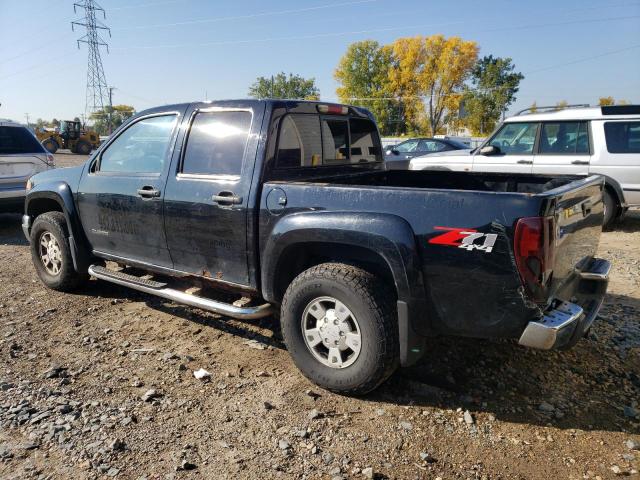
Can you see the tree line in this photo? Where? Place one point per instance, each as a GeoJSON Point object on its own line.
{"type": "Point", "coordinates": [417, 85]}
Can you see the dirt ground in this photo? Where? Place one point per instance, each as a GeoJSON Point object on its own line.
{"type": "Point", "coordinates": [100, 384]}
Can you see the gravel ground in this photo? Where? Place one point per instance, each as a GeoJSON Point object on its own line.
{"type": "Point", "coordinates": [101, 384]}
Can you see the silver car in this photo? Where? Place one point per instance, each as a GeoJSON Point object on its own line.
{"type": "Point", "coordinates": [21, 156]}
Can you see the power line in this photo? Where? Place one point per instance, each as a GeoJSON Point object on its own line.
{"type": "Point", "coordinates": [252, 15]}
{"type": "Point", "coordinates": [359, 32]}
{"type": "Point", "coordinates": [145, 5]}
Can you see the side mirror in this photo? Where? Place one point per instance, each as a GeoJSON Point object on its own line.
{"type": "Point", "coordinates": [490, 150]}
{"type": "Point", "coordinates": [395, 152]}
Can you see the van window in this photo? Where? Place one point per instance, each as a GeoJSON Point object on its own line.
{"type": "Point", "coordinates": [313, 141]}
{"type": "Point", "coordinates": [557, 138]}
{"type": "Point", "coordinates": [17, 140]}
{"type": "Point", "coordinates": [622, 137]}
{"type": "Point", "coordinates": [515, 138]}
{"type": "Point", "coordinates": [216, 143]}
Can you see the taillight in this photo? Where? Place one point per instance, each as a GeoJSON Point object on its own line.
{"type": "Point", "coordinates": [534, 249]}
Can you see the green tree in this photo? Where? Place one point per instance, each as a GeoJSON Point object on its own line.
{"type": "Point", "coordinates": [363, 76]}
{"type": "Point", "coordinates": [283, 86]}
{"type": "Point", "coordinates": [119, 114]}
{"type": "Point", "coordinates": [494, 83]}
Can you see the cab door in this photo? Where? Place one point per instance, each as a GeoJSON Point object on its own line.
{"type": "Point", "coordinates": [207, 202]}
{"type": "Point", "coordinates": [120, 196]}
{"type": "Point", "coordinates": [515, 142]}
{"type": "Point", "coordinates": [563, 149]}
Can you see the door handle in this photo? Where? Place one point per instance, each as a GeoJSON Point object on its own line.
{"type": "Point", "coordinates": [525, 162]}
{"type": "Point", "coordinates": [148, 191]}
{"type": "Point", "coordinates": [227, 198]}
{"type": "Point", "coordinates": [580, 162]}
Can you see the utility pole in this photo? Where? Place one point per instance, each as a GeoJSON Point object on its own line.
{"type": "Point", "coordinates": [96, 83]}
{"type": "Point", "coordinates": [111, 89]}
{"type": "Point", "coordinates": [27, 117]}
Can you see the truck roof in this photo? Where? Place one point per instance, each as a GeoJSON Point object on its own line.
{"type": "Point", "coordinates": [298, 106]}
{"type": "Point", "coordinates": [578, 112]}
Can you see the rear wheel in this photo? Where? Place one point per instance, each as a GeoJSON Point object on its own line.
{"type": "Point", "coordinates": [83, 148]}
{"type": "Point", "coordinates": [339, 325]}
{"type": "Point", "coordinates": [50, 145]}
{"type": "Point", "coordinates": [51, 253]}
{"type": "Point", "coordinates": [610, 210]}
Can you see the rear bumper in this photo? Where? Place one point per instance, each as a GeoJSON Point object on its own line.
{"type": "Point", "coordinates": [567, 320]}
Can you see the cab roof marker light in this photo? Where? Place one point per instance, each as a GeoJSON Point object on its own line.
{"type": "Point", "coordinates": [333, 109]}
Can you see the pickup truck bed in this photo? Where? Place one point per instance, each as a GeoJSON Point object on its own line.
{"type": "Point", "coordinates": [364, 264]}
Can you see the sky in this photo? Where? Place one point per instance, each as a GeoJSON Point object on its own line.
{"type": "Point", "coordinates": [166, 51]}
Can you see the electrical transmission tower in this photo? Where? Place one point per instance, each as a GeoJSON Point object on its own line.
{"type": "Point", "coordinates": [97, 91]}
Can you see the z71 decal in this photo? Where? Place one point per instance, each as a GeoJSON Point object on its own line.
{"type": "Point", "coordinates": [465, 238]}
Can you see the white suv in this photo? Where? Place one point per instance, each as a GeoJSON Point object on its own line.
{"type": "Point", "coordinates": [21, 156]}
{"type": "Point", "coordinates": [576, 141]}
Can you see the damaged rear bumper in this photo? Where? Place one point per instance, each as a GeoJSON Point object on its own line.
{"type": "Point", "coordinates": [566, 321]}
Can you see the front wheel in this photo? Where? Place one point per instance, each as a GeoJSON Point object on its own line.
{"type": "Point", "coordinates": [610, 210]}
{"type": "Point", "coordinates": [51, 253]}
{"type": "Point", "coordinates": [340, 326]}
{"type": "Point", "coordinates": [83, 148]}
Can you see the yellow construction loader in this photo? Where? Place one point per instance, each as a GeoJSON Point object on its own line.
{"type": "Point", "coordinates": [72, 136]}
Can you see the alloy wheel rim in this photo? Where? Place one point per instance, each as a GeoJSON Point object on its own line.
{"type": "Point", "coordinates": [331, 332]}
{"type": "Point", "coordinates": [50, 254]}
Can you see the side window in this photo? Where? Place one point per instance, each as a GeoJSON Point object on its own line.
{"type": "Point", "coordinates": [141, 148]}
{"type": "Point", "coordinates": [622, 137]}
{"type": "Point", "coordinates": [431, 146]}
{"type": "Point", "coordinates": [515, 138]}
{"type": "Point", "coordinates": [335, 141]}
{"type": "Point", "coordinates": [557, 138]}
{"type": "Point", "coordinates": [407, 146]}
{"type": "Point", "coordinates": [216, 143]}
{"type": "Point", "coordinates": [364, 141]}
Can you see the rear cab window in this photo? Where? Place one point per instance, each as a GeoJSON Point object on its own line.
{"type": "Point", "coordinates": [307, 140]}
{"type": "Point", "coordinates": [622, 137]}
{"type": "Point", "coordinates": [18, 140]}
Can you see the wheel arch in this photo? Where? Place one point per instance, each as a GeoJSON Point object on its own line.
{"type": "Point", "coordinates": [384, 242]}
{"type": "Point", "coordinates": [58, 197]}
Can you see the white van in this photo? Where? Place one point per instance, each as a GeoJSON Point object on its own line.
{"type": "Point", "coordinates": [21, 156]}
{"type": "Point", "coordinates": [578, 141]}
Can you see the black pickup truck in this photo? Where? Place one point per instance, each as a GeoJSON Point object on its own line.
{"type": "Point", "coordinates": [287, 204]}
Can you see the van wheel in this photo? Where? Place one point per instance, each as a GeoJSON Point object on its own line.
{"type": "Point", "coordinates": [51, 253]}
{"type": "Point", "coordinates": [610, 210]}
{"type": "Point", "coordinates": [339, 325]}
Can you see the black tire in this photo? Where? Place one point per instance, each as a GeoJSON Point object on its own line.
{"type": "Point", "coordinates": [83, 148]}
{"type": "Point", "coordinates": [50, 145]}
{"type": "Point", "coordinates": [375, 309]}
{"type": "Point", "coordinates": [610, 210]}
{"type": "Point", "coordinates": [55, 225]}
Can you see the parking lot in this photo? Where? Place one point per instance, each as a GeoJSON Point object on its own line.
{"type": "Point", "coordinates": [100, 383]}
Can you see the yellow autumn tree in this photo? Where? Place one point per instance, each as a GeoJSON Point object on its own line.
{"type": "Point", "coordinates": [604, 101]}
{"type": "Point", "coordinates": [429, 74]}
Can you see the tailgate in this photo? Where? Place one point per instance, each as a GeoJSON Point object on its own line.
{"type": "Point", "coordinates": [16, 169]}
{"type": "Point", "coordinates": [579, 212]}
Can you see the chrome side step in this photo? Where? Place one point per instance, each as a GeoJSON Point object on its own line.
{"type": "Point", "coordinates": [598, 270]}
{"type": "Point", "coordinates": [159, 289]}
